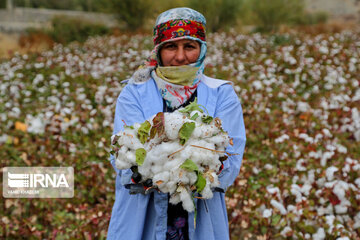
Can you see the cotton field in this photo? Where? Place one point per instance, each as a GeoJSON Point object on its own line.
{"type": "Point", "coordinates": [300, 94]}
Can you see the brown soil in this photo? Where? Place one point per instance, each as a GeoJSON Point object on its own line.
{"type": "Point", "coordinates": [12, 43]}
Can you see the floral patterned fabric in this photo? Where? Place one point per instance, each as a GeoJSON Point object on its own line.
{"type": "Point", "coordinates": [173, 94]}
{"type": "Point", "coordinates": [178, 28]}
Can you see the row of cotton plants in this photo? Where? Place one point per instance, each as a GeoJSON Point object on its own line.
{"type": "Point", "coordinates": [301, 102]}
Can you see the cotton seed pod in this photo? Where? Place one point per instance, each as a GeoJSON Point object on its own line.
{"type": "Point", "coordinates": [163, 163]}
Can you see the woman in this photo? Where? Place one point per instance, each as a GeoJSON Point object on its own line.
{"type": "Point", "coordinates": [172, 78]}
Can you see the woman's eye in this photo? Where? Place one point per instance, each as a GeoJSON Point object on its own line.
{"type": "Point", "coordinates": [169, 46]}
{"type": "Point", "coordinates": [190, 46]}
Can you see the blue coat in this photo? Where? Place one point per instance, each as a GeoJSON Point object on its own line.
{"type": "Point", "coordinates": [144, 217]}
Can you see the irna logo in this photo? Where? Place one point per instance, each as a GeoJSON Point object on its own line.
{"type": "Point", "coordinates": [37, 180]}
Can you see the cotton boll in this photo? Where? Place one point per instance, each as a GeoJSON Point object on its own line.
{"type": "Point", "coordinates": [186, 153]}
{"type": "Point", "coordinates": [153, 142]}
{"type": "Point", "coordinates": [122, 165]}
{"type": "Point", "coordinates": [130, 157]}
{"type": "Point", "coordinates": [213, 129]}
{"type": "Point", "coordinates": [192, 178]}
{"type": "Point", "coordinates": [199, 155]}
{"type": "Point", "coordinates": [207, 193]}
{"type": "Point", "coordinates": [216, 181]}
{"type": "Point", "coordinates": [135, 143]}
{"type": "Point", "coordinates": [150, 160]}
{"type": "Point", "coordinates": [145, 172]}
{"type": "Point", "coordinates": [285, 231]}
{"type": "Point", "coordinates": [163, 150]}
{"type": "Point", "coordinates": [163, 187]}
{"type": "Point", "coordinates": [213, 162]}
{"type": "Point", "coordinates": [220, 140]}
{"type": "Point", "coordinates": [128, 138]}
{"type": "Point", "coordinates": [121, 155]}
{"type": "Point", "coordinates": [222, 150]}
{"type": "Point", "coordinates": [198, 131]}
{"type": "Point", "coordinates": [187, 201]}
{"type": "Point", "coordinates": [175, 199]}
{"type": "Point", "coordinates": [279, 206]}
{"type": "Point", "coordinates": [340, 209]}
{"type": "Point", "coordinates": [205, 131]}
{"type": "Point", "coordinates": [183, 178]}
{"type": "Point", "coordinates": [163, 177]}
{"type": "Point", "coordinates": [147, 169]}
{"type": "Point", "coordinates": [157, 169]}
{"type": "Point", "coordinates": [123, 150]}
{"type": "Point", "coordinates": [202, 143]}
{"type": "Point", "coordinates": [267, 213]}
{"type": "Point", "coordinates": [173, 123]}
{"type": "Point", "coordinates": [319, 235]}
{"type": "Point", "coordinates": [171, 185]}
{"type": "Point", "coordinates": [330, 172]}
{"type": "Point", "coordinates": [173, 163]}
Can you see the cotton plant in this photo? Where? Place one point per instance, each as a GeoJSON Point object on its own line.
{"type": "Point", "coordinates": [180, 153]}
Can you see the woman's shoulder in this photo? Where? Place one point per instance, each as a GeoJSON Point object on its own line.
{"type": "Point", "coordinates": [131, 83]}
{"type": "Point", "coordinates": [214, 82]}
{"type": "Point", "coordinates": [223, 89]}
{"type": "Point", "coordinates": [139, 90]}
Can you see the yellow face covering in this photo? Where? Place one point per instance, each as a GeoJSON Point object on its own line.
{"type": "Point", "coordinates": [179, 75]}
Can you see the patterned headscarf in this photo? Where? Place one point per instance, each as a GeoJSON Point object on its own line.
{"type": "Point", "coordinates": [173, 25]}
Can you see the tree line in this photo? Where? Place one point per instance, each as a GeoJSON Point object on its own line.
{"type": "Point", "coordinates": [267, 15]}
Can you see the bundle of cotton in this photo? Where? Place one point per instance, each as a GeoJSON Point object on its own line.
{"type": "Point", "coordinates": [180, 153]}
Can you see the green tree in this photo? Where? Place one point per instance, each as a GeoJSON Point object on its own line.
{"type": "Point", "coordinates": [219, 14]}
{"type": "Point", "coordinates": [271, 13]}
{"type": "Point", "coordinates": [66, 30]}
{"type": "Point", "coordinates": [2, 3]}
{"type": "Point", "coordinates": [133, 12]}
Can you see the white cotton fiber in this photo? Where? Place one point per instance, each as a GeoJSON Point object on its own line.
{"type": "Point", "coordinates": [175, 198]}
{"type": "Point", "coordinates": [192, 177]}
{"type": "Point", "coordinates": [130, 156]}
{"type": "Point", "coordinates": [171, 186]}
{"type": "Point", "coordinates": [122, 165]}
{"type": "Point", "coordinates": [187, 200]}
{"type": "Point", "coordinates": [207, 193]}
{"type": "Point", "coordinates": [165, 154]}
{"type": "Point", "coordinates": [173, 123]}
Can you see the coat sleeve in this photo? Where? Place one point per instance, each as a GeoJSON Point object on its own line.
{"type": "Point", "coordinates": [229, 110]}
{"type": "Point", "coordinates": [127, 111]}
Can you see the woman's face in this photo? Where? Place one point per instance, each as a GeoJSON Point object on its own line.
{"type": "Point", "coordinates": [181, 52]}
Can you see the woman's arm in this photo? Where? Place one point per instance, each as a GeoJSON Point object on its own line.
{"type": "Point", "coordinates": [229, 110]}
{"type": "Point", "coordinates": [127, 111]}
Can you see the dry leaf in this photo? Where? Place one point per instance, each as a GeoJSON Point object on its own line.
{"type": "Point", "coordinates": [217, 122]}
{"type": "Point", "coordinates": [20, 126]}
{"type": "Point", "coordinates": [244, 224]}
{"type": "Point", "coordinates": [211, 178]}
{"type": "Point", "coordinates": [16, 140]}
{"type": "Point", "coordinates": [24, 158]}
{"type": "Point", "coordinates": [242, 182]}
{"type": "Point", "coordinates": [59, 158]}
